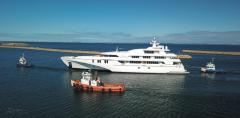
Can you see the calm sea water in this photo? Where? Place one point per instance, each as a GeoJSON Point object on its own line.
{"type": "Point", "coordinates": [45, 90]}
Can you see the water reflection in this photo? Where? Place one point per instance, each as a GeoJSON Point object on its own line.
{"type": "Point", "coordinates": [96, 103]}
{"type": "Point", "coordinates": [137, 82]}
{"type": "Point", "coordinates": [23, 72]}
{"type": "Point", "coordinates": [208, 75]}
{"type": "Point", "coordinates": [87, 96]}
{"type": "Point", "coordinates": [142, 91]}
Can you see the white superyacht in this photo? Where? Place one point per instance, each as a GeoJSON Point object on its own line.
{"type": "Point", "coordinates": [153, 59]}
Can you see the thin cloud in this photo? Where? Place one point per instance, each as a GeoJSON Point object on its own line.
{"type": "Point", "coordinates": [75, 36]}
{"type": "Point", "coordinates": [229, 37]}
{"type": "Point", "coordinates": [120, 34]}
{"type": "Point", "coordinates": [10, 34]}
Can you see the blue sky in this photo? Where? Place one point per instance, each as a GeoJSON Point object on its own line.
{"type": "Point", "coordinates": [172, 21]}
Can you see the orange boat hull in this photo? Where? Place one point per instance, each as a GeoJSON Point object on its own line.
{"type": "Point", "coordinates": [108, 87]}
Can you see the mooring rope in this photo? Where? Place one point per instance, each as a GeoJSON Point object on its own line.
{"type": "Point", "coordinates": [193, 66]}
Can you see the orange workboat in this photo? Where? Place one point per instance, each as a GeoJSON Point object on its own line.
{"type": "Point", "coordinates": [87, 83]}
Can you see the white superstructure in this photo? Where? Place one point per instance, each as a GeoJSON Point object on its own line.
{"type": "Point", "coordinates": [22, 60]}
{"type": "Point", "coordinates": [153, 59]}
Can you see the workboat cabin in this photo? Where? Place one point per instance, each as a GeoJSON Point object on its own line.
{"type": "Point", "coordinates": [88, 80]}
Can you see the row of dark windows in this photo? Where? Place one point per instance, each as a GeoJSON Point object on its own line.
{"type": "Point", "coordinates": [151, 62]}
{"type": "Point", "coordinates": [138, 62]}
{"type": "Point", "coordinates": [99, 61]}
{"type": "Point", "coordinates": [135, 56]}
{"type": "Point", "coordinates": [108, 56]}
{"type": "Point", "coordinates": [139, 67]}
{"type": "Point", "coordinates": [160, 57]}
{"type": "Point", "coordinates": [145, 57]}
{"type": "Point", "coordinates": [135, 62]}
{"type": "Point", "coordinates": [148, 57]}
{"type": "Point", "coordinates": [143, 62]}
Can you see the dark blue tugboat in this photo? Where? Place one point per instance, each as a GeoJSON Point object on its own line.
{"type": "Point", "coordinates": [23, 62]}
{"type": "Point", "coordinates": [210, 68]}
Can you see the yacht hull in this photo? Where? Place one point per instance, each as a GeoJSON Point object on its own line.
{"type": "Point", "coordinates": [153, 59]}
{"type": "Point", "coordinates": [114, 66]}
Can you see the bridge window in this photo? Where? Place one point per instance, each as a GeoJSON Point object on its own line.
{"type": "Point", "coordinates": [121, 62]}
{"type": "Point", "coordinates": [99, 61]}
{"type": "Point", "coordinates": [160, 62]}
{"type": "Point", "coordinates": [92, 61]}
{"type": "Point", "coordinates": [175, 63]}
{"type": "Point", "coordinates": [148, 52]}
{"type": "Point", "coordinates": [112, 55]}
{"type": "Point", "coordinates": [105, 61]}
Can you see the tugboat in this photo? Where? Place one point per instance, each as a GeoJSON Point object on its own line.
{"type": "Point", "coordinates": [23, 62]}
{"type": "Point", "coordinates": [87, 83]}
{"type": "Point", "coordinates": [210, 68]}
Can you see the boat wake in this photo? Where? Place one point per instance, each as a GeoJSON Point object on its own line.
{"type": "Point", "coordinates": [236, 72]}
{"type": "Point", "coordinates": [52, 67]}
